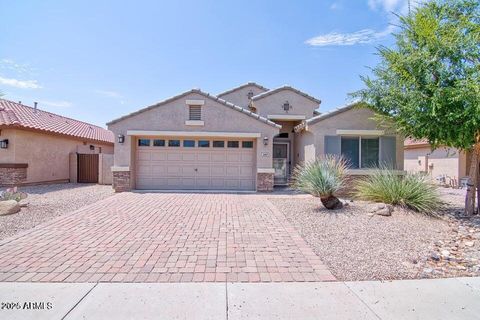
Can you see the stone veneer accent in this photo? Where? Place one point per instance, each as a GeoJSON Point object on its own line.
{"type": "Point", "coordinates": [121, 181]}
{"type": "Point", "coordinates": [12, 174]}
{"type": "Point", "coordinates": [265, 182]}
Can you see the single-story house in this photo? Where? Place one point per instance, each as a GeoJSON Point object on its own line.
{"type": "Point", "coordinates": [246, 138]}
{"type": "Point", "coordinates": [37, 146]}
{"type": "Point", "coordinates": [445, 165]}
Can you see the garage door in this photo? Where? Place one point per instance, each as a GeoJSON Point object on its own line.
{"type": "Point", "coordinates": [195, 164]}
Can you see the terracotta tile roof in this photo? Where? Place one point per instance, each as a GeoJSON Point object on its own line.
{"type": "Point", "coordinates": [18, 115]}
{"type": "Point", "coordinates": [413, 142]}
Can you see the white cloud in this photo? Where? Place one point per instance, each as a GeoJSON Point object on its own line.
{"type": "Point", "coordinates": [22, 84]}
{"type": "Point", "coordinates": [336, 6]}
{"type": "Point", "coordinates": [348, 39]}
{"type": "Point", "coordinates": [57, 104]}
{"type": "Point", "coordinates": [398, 6]}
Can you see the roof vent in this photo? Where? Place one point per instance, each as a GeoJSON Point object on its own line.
{"type": "Point", "coordinates": [35, 104]}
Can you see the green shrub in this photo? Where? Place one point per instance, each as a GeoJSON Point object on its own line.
{"type": "Point", "coordinates": [322, 178]}
{"type": "Point", "coordinates": [413, 191]}
{"type": "Point", "coordinates": [12, 194]}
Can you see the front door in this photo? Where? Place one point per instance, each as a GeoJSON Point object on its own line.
{"type": "Point", "coordinates": [280, 163]}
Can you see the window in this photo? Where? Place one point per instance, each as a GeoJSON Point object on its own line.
{"type": "Point", "coordinates": [247, 144]}
{"type": "Point", "coordinates": [203, 144]}
{"type": "Point", "coordinates": [174, 143]}
{"type": "Point", "coordinates": [370, 153]}
{"type": "Point", "coordinates": [188, 143]}
{"type": "Point", "coordinates": [194, 113]}
{"type": "Point", "coordinates": [232, 144]}
{"type": "Point", "coordinates": [219, 144]}
{"type": "Point", "coordinates": [159, 143]}
{"type": "Point", "coordinates": [143, 142]}
{"type": "Point", "coordinates": [360, 152]}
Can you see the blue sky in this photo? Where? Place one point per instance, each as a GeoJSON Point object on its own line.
{"type": "Point", "coordinates": [98, 60]}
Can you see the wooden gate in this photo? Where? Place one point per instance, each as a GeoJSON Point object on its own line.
{"type": "Point", "coordinates": [87, 168]}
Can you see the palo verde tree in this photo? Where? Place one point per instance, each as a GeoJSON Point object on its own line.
{"type": "Point", "coordinates": [429, 82]}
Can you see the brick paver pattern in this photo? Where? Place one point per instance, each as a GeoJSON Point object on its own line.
{"type": "Point", "coordinates": [164, 237]}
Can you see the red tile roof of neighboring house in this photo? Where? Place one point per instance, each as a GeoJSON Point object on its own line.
{"type": "Point", "coordinates": [14, 114]}
{"type": "Point", "coordinates": [414, 143]}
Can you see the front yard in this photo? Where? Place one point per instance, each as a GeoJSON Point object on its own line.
{"type": "Point", "coordinates": [48, 201]}
{"type": "Point", "coordinates": [356, 245]}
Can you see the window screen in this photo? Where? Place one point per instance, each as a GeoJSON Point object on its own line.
{"type": "Point", "coordinates": [370, 153]}
{"type": "Point", "coordinates": [350, 151]}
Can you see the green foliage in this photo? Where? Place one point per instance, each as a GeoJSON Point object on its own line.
{"type": "Point", "coordinates": [413, 191]}
{"type": "Point", "coordinates": [429, 83]}
{"type": "Point", "coordinates": [322, 178]}
{"type": "Point", "coordinates": [12, 194]}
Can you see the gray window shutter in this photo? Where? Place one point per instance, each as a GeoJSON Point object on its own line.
{"type": "Point", "coordinates": [333, 145]}
{"type": "Point", "coordinates": [388, 150]}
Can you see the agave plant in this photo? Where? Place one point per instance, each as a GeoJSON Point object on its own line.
{"type": "Point", "coordinates": [413, 191]}
{"type": "Point", "coordinates": [322, 178]}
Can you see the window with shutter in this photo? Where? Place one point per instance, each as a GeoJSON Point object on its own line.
{"type": "Point", "coordinates": [194, 113]}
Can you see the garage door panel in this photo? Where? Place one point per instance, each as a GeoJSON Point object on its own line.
{"type": "Point", "coordinates": [174, 170]}
{"type": "Point", "coordinates": [188, 156]}
{"type": "Point", "coordinates": [195, 168]}
{"type": "Point", "coordinates": [143, 155]}
{"type": "Point", "coordinates": [158, 156]}
{"type": "Point", "coordinates": [234, 157]}
{"type": "Point", "coordinates": [232, 171]}
{"type": "Point", "coordinates": [247, 184]}
{"type": "Point", "coordinates": [174, 156]}
{"type": "Point", "coordinates": [157, 169]}
{"type": "Point", "coordinates": [203, 156]}
{"type": "Point", "coordinates": [246, 157]}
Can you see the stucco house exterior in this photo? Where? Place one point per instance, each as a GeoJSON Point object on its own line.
{"type": "Point", "coordinates": [445, 165]}
{"type": "Point", "coordinates": [246, 138]}
{"type": "Point", "coordinates": [36, 146]}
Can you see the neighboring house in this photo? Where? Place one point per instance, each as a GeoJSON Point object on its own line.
{"type": "Point", "coordinates": [41, 147]}
{"type": "Point", "coordinates": [445, 165]}
{"type": "Point", "coordinates": [247, 138]}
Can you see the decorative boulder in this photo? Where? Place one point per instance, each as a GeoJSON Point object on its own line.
{"type": "Point", "coordinates": [9, 207]}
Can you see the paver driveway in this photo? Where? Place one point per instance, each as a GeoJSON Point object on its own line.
{"type": "Point", "coordinates": [164, 237]}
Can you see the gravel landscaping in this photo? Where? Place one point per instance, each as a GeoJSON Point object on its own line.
{"type": "Point", "coordinates": [357, 245]}
{"type": "Point", "coordinates": [48, 201]}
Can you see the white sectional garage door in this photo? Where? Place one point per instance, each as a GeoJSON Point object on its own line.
{"type": "Point", "coordinates": [195, 164]}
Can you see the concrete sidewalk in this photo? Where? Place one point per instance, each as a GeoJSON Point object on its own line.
{"type": "Point", "coordinates": [407, 299]}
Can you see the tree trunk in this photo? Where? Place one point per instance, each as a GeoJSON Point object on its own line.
{"type": "Point", "coordinates": [472, 181]}
{"type": "Point", "coordinates": [331, 202]}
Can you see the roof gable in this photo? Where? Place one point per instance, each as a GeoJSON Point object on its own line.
{"type": "Point", "coordinates": [241, 87]}
{"type": "Point", "coordinates": [324, 116]}
{"type": "Point", "coordinates": [285, 87]}
{"type": "Point", "coordinates": [17, 115]}
{"type": "Point", "coordinates": [206, 95]}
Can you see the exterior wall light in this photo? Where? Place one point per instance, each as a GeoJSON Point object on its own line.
{"type": "Point", "coordinates": [4, 144]}
{"type": "Point", "coordinates": [286, 106]}
{"type": "Point", "coordinates": [265, 141]}
{"type": "Point", "coordinates": [121, 138]}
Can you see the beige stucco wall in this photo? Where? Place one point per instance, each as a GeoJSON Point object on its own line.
{"type": "Point", "coordinates": [48, 156]}
{"type": "Point", "coordinates": [105, 163]}
{"type": "Point", "coordinates": [439, 162]}
{"type": "Point", "coordinates": [273, 104]}
{"type": "Point", "coordinates": [172, 116]}
{"type": "Point", "coordinates": [353, 119]}
{"type": "Point", "coordinates": [240, 96]}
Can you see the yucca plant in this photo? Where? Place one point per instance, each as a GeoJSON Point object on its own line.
{"type": "Point", "coordinates": [413, 191]}
{"type": "Point", "coordinates": [322, 178]}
